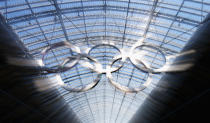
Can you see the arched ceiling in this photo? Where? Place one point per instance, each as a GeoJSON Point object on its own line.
{"type": "Point", "coordinates": [166, 24]}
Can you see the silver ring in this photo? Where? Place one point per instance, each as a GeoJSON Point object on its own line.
{"type": "Point", "coordinates": [61, 68]}
{"type": "Point", "coordinates": [88, 86]}
{"type": "Point", "coordinates": [125, 88]}
{"type": "Point", "coordinates": [118, 57]}
{"type": "Point", "coordinates": [145, 67]}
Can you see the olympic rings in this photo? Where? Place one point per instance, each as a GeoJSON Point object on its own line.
{"type": "Point", "coordinates": [97, 67]}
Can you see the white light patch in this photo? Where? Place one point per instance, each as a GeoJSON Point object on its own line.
{"type": "Point", "coordinates": [25, 62]}
{"type": "Point", "coordinates": [45, 83]}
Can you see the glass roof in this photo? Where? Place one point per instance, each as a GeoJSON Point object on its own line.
{"type": "Point", "coordinates": [166, 24]}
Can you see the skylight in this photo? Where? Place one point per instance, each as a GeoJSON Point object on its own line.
{"type": "Point", "coordinates": [164, 24]}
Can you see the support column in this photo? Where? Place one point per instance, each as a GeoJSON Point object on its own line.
{"type": "Point", "coordinates": [182, 96]}
{"type": "Point", "coordinates": [25, 94]}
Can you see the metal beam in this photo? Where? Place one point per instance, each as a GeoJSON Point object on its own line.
{"type": "Point", "coordinates": [59, 14]}
{"type": "Point", "coordinates": [96, 8]}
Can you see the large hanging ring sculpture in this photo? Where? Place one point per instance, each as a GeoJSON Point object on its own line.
{"type": "Point", "coordinates": [70, 62]}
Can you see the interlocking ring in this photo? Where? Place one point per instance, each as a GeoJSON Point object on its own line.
{"type": "Point", "coordinates": [62, 68]}
{"type": "Point", "coordinates": [88, 86]}
{"type": "Point", "coordinates": [125, 88]}
{"type": "Point", "coordinates": [112, 69]}
{"type": "Point", "coordinates": [145, 67]}
{"type": "Point", "coordinates": [97, 67]}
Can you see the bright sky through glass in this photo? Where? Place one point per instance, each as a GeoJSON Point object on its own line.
{"type": "Point", "coordinates": [167, 24]}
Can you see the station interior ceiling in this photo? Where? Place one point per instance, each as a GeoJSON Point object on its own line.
{"type": "Point", "coordinates": [166, 25]}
